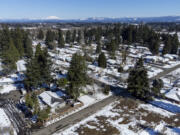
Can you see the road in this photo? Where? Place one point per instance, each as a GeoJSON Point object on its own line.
{"type": "Point", "coordinates": [165, 72]}
{"type": "Point", "coordinates": [76, 117]}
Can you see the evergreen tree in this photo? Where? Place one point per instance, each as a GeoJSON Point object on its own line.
{"type": "Point", "coordinates": [50, 37]}
{"type": "Point", "coordinates": [4, 39]}
{"type": "Point", "coordinates": [175, 44]}
{"type": "Point", "coordinates": [130, 34]}
{"type": "Point", "coordinates": [28, 47]}
{"type": "Point", "coordinates": [77, 76]}
{"type": "Point", "coordinates": [38, 69]}
{"type": "Point", "coordinates": [68, 37]}
{"type": "Point", "coordinates": [18, 41]}
{"type": "Point", "coordinates": [98, 48]}
{"type": "Point", "coordinates": [79, 38]}
{"type": "Point", "coordinates": [124, 54]}
{"type": "Point", "coordinates": [74, 36]}
{"type": "Point", "coordinates": [167, 46]}
{"type": "Point", "coordinates": [61, 42]}
{"type": "Point", "coordinates": [138, 83]}
{"type": "Point", "coordinates": [154, 44]}
{"type": "Point", "coordinates": [98, 36]}
{"type": "Point", "coordinates": [10, 56]}
{"type": "Point", "coordinates": [40, 34]}
{"type": "Point", "coordinates": [102, 60]}
{"type": "Point", "coordinates": [157, 86]}
{"type": "Point", "coordinates": [111, 47]}
{"type": "Point", "coordinates": [45, 67]}
{"type": "Point", "coordinates": [33, 75]}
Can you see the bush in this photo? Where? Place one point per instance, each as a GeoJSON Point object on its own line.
{"type": "Point", "coordinates": [43, 114]}
{"type": "Point", "coordinates": [120, 69]}
{"type": "Point", "coordinates": [106, 90]}
{"type": "Point", "coordinates": [62, 82]}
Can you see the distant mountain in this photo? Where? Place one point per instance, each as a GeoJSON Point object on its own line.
{"type": "Point", "coordinates": [136, 19]}
{"type": "Point", "coordinates": [97, 19]}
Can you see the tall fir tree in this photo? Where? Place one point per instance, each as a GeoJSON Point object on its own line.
{"type": "Point", "coordinates": [28, 46]}
{"type": "Point", "coordinates": [18, 41]}
{"type": "Point", "coordinates": [40, 35]}
{"type": "Point", "coordinates": [68, 37]}
{"type": "Point", "coordinates": [79, 38]}
{"type": "Point", "coordinates": [77, 75]}
{"type": "Point", "coordinates": [167, 45]}
{"type": "Point", "coordinates": [38, 69]}
{"type": "Point", "coordinates": [175, 44]}
{"type": "Point", "coordinates": [102, 60]}
{"type": "Point", "coordinates": [138, 83]}
{"type": "Point", "coordinates": [154, 46]}
{"type": "Point", "coordinates": [45, 67]}
{"type": "Point", "coordinates": [111, 47]}
{"type": "Point", "coordinates": [74, 36]}
{"type": "Point", "coordinates": [50, 37]}
{"type": "Point", "coordinates": [61, 42]}
{"type": "Point", "coordinates": [98, 48]}
{"type": "Point", "coordinates": [11, 56]}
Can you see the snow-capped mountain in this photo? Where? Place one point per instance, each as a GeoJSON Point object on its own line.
{"type": "Point", "coordinates": [99, 19]}
{"type": "Point", "coordinates": [52, 18]}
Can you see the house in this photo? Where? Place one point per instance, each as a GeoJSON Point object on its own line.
{"type": "Point", "coordinates": [171, 56]}
{"type": "Point", "coordinates": [150, 59]}
{"type": "Point", "coordinates": [53, 99]}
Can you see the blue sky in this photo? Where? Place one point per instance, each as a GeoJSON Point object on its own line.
{"type": "Point", "coordinates": [73, 9]}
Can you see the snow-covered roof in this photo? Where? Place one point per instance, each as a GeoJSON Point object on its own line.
{"type": "Point", "coordinates": [21, 65]}
{"type": "Point", "coordinates": [151, 57]}
{"type": "Point", "coordinates": [174, 94]}
{"type": "Point", "coordinates": [47, 97]}
{"type": "Point", "coordinates": [111, 61]}
{"type": "Point", "coordinates": [170, 56]}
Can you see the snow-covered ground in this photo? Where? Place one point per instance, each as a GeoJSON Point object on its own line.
{"type": "Point", "coordinates": [127, 117]}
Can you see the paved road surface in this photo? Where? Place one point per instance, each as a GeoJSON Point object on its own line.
{"type": "Point", "coordinates": [76, 117]}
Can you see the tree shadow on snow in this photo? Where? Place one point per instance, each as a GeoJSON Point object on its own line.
{"type": "Point", "coordinates": [120, 91]}
{"type": "Point", "coordinates": [166, 106]}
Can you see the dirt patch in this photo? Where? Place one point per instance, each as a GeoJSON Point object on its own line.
{"type": "Point", "coordinates": [102, 127]}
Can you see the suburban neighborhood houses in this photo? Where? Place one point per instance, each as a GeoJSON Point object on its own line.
{"type": "Point", "coordinates": [67, 70]}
